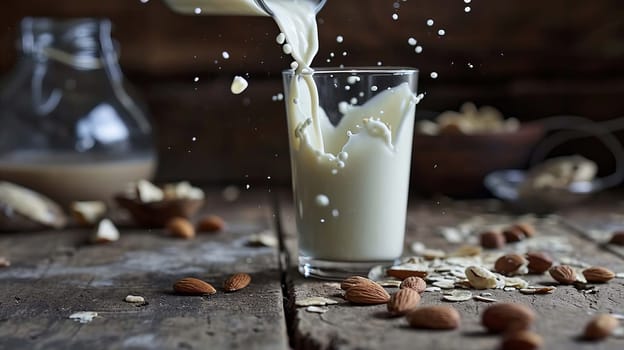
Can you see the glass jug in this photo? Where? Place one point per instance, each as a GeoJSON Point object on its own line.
{"type": "Point", "coordinates": [230, 7]}
{"type": "Point", "coordinates": [68, 126]}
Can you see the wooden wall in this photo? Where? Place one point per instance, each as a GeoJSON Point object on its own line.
{"type": "Point", "coordinates": [531, 58]}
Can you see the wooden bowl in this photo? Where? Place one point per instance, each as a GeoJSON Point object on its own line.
{"type": "Point", "coordinates": [456, 164]}
{"type": "Point", "coordinates": [156, 214]}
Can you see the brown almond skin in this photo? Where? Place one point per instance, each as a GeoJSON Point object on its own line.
{"type": "Point", "coordinates": [600, 327]}
{"type": "Point", "coordinates": [403, 301]}
{"type": "Point", "coordinates": [563, 274]}
{"type": "Point", "coordinates": [527, 229]}
{"type": "Point", "coordinates": [513, 234]}
{"type": "Point", "coordinates": [617, 238]}
{"type": "Point", "coordinates": [539, 262]}
{"type": "Point", "coordinates": [403, 274]}
{"type": "Point", "coordinates": [521, 340]}
{"type": "Point", "coordinates": [416, 283]}
{"type": "Point", "coordinates": [193, 286]}
{"type": "Point", "coordinates": [181, 228]}
{"type": "Point", "coordinates": [598, 274]}
{"type": "Point", "coordinates": [434, 317]}
{"type": "Point", "coordinates": [210, 223]}
{"type": "Point", "coordinates": [367, 294]}
{"type": "Point", "coordinates": [506, 317]}
{"type": "Point", "coordinates": [492, 240]}
{"type": "Point", "coordinates": [236, 282]}
{"type": "Point", "coordinates": [509, 264]}
{"type": "Point", "coordinates": [354, 280]}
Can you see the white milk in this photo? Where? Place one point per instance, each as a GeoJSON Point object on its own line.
{"type": "Point", "coordinates": [217, 7]}
{"type": "Point", "coordinates": [67, 178]}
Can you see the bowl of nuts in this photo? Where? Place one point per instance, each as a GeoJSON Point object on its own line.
{"type": "Point", "coordinates": [454, 152]}
{"type": "Point", "coordinates": [152, 206]}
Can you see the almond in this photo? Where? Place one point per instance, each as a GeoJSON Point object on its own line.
{"type": "Point", "coordinates": [522, 340]}
{"type": "Point", "coordinates": [354, 280]}
{"type": "Point", "coordinates": [527, 229]}
{"type": "Point", "coordinates": [405, 273]}
{"type": "Point", "coordinates": [513, 234]}
{"type": "Point", "coordinates": [367, 293]}
{"type": "Point", "coordinates": [236, 282]}
{"type": "Point", "coordinates": [507, 316]}
{"type": "Point", "coordinates": [511, 264]}
{"type": "Point", "coordinates": [617, 238]}
{"type": "Point", "coordinates": [434, 317]}
{"type": "Point", "coordinates": [181, 227]}
{"type": "Point", "coordinates": [598, 274]}
{"type": "Point", "coordinates": [492, 240]}
{"type": "Point", "coordinates": [600, 327]}
{"type": "Point", "coordinates": [416, 283]}
{"type": "Point", "coordinates": [538, 262]}
{"type": "Point", "coordinates": [210, 223]}
{"type": "Point", "coordinates": [403, 301]}
{"type": "Point", "coordinates": [563, 274]}
{"type": "Point", "coordinates": [193, 286]}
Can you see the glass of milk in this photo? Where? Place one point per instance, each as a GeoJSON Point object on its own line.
{"type": "Point", "coordinates": [350, 133]}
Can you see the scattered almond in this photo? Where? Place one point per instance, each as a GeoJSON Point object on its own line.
{"type": "Point", "coordinates": [135, 299]}
{"type": "Point", "coordinates": [4, 262]}
{"type": "Point", "coordinates": [617, 238]}
{"type": "Point", "coordinates": [181, 227]}
{"type": "Point", "coordinates": [210, 223]}
{"type": "Point", "coordinates": [507, 316]}
{"type": "Point", "coordinates": [88, 213]}
{"type": "Point", "coordinates": [367, 293]}
{"type": "Point", "coordinates": [522, 340]}
{"type": "Point", "coordinates": [598, 274]}
{"type": "Point", "coordinates": [402, 273]}
{"type": "Point", "coordinates": [492, 240]}
{"type": "Point", "coordinates": [236, 282]}
{"type": "Point", "coordinates": [354, 280]}
{"type": "Point", "coordinates": [403, 301]}
{"type": "Point", "coordinates": [315, 301]}
{"type": "Point", "coordinates": [193, 286]}
{"type": "Point", "coordinates": [466, 250]}
{"type": "Point", "coordinates": [513, 234]}
{"type": "Point", "coordinates": [416, 283]}
{"type": "Point", "coordinates": [511, 264]}
{"type": "Point", "coordinates": [538, 262]}
{"type": "Point", "coordinates": [434, 317]}
{"type": "Point", "coordinates": [480, 278]}
{"type": "Point", "coordinates": [527, 229]}
{"type": "Point", "coordinates": [600, 327]}
{"type": "Point", "coordinates": [106, 232]}
{"type": "Point", "coordinates": [538, 290]}
{"type": "Point", "coordinates": [563, 274]}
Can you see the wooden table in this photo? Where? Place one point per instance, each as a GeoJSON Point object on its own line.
{"type": "Point", "coordinates": [54, 274]}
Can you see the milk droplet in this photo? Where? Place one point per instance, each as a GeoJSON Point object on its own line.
{"type": "Point", "coordinates": [280, 38]}
{"type": "Point", "coordinates": [144, 1]}
{"type": "Point", "coordinates": [322, 200]}
{"type": "Point", "coordinates": [374, 88]}
{"type": "Point", "coordinates": [239, 84]}
{"type": "Point", "coordinates": [248, 186]}
{"type": "Point", "coordinates": [434, 75]}
{"type": "Point", "coordinates": [197, 11]}
{"type": "Point", "coordinates": [225, 55]}
{"type": "Point", "coordinates": [347, 87]}
{"type": "Point", "coordinates": [280, 96]}
{"type": "Point", "coordinates": [379, 63]}
{"type": "Point", "coordinates": [353, 79]}
{"type": "Point", "coordinates": [470, 65]}
{"type": "Point", "coordinates": [418, 49]}
{"type": "Point", "coordinates": [339, 39]}
{"type": "Point", "coordinates": [412, 41]}
{"type": "Point", "coordinates": [331, 54]}
{"type": "Point", "coordinates": [335, 213]}
{"type": "Point", "coordinates": [344, 53]}
{"type": "Point", "coordinates": [196, 79]}
{"type": "Point", "coordinates": [287, 49]}
{"type": "Point", "coordinates": [430, 22]}
{"type": "Point", "coordinates": [395, 16]}
{"type": "Point", "coordinates": [343, 156]}
{"type": "Point", "coordinates": [441, 32]}
{"type": "Point", "coordinates": [294, 65]}
{"type": "Point", "coordinates": [353, 100]}
{"type": "Point", "coordinates": [467, 1]}
{"type": "Point", "coordinates": [194, 138]}
{"type": "Point", "coordinates": [343, 107]}
{"type": "Point", "coordinates": [467, 9]}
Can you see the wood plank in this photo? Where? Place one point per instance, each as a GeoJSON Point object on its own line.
{"type": "Point", "coordinates": [54, 274]}
{"type": "Point", "coordinates": [561, 316]}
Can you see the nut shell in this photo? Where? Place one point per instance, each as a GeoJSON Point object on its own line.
{"type": "Point", "coordinates": [434, 317]}
{"type": "Point", "coordinates": [563, 274]}
{"type": "Point", "coordinates": [506, 317]}
{"type": "Point", "coordinates": [598, 274]}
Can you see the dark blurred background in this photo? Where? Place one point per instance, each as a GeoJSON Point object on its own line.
{"type": "Point", "coordinates": [529, 58]}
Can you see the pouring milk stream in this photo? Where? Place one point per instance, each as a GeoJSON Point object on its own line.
{"type": "Point", "coordinates": [338, 209]}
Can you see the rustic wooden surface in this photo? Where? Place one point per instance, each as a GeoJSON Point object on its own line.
{"type": "Point", "coordinates": [54, 274]}
{"type": "Point", "coordinates": [561, 316]}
